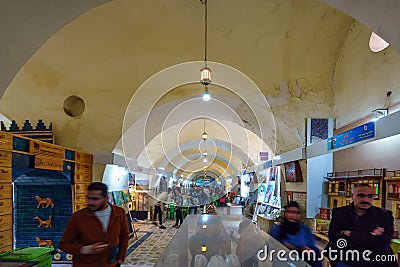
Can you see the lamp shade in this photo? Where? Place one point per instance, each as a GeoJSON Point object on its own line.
{"type": "Point", "coordinates": [205, 76]}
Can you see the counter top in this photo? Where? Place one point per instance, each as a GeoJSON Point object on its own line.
{"type": "Point", "coordinates": [206, 236]}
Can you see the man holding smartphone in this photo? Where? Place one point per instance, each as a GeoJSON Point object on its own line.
{"type": "Point", "coordinates": [97, 236]}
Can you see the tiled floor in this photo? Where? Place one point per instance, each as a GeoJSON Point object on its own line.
{"type": "Point", "coordinates": [150, 244]}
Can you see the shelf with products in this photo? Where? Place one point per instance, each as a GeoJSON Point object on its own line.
{"type": "Point", "coordinates": [269, 210]}
{"type": "Point", "coordinates": [392, 181]}
{"type": "Point", "coordinates": [393, 188]}
{"type": "Point", "coordinates": [341, 185]}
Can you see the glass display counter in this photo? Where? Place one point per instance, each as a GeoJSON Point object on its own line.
{"type": "Point", "coordinates": [234, 209]}
{"type": "Point", "coordinates": [217, 239]}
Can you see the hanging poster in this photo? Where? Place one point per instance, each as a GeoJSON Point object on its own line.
{"type": "Point", "coordinates": [262, 190]}
{"type": "Point", "coordinates": [126, 195]}
{"type": "Point", "coordinates": [131, 179]}
{"type": "Point", "coordinates": [272, 173]}
{"type": "Point", "coordinates": [270, 191]}
{"type": "Point", "coordinates": [244, 185]}
{"type": "Point", "coordinates": [111, 198]}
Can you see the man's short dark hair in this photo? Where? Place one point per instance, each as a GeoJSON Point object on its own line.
{"type": "Point", "coordinates": [293, 204]}
{"type": "Point", "coordinates": [98, 187]}
{"type": "Point", "coordinates": [362, 184]}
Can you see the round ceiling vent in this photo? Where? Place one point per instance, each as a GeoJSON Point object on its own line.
{"type": "Point", "coordinates": [74, 106]}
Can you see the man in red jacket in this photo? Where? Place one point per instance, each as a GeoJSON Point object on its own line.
{"type": "Point", "coordinates": [97, 235]}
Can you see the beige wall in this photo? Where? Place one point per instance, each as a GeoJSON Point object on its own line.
{"type": "Point", "coordinates": [105, 54]}
{"type": "Point", "coordinates": [384, 153]}
{"type": "Point", "coordinates": [362, 77]}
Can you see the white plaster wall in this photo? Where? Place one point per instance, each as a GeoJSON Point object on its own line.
{"type": "Point", "coordinates": [115, 177]}
{"type": "Point", "coordinates": [384, 153]}
{"type": "Point", "coordinates": [317, 168]}
{"type": "Point", "coordinates": [104, 55]}
{"type": "Point", "coordinates": [362, 78]}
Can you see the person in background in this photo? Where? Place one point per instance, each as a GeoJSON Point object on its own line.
{"type": "Point", "coordinates": [362, 227]}
{"type": "Point", "coordinates": [97, 236]}
{"type": "Point", "coordinates": [295, 235]}
{"type": "Point", "coordinates": [222, 201]}
{"type": "Point", "coordinates": [178, 211]}
{"type": "Point", "coordinates": [159, 208]}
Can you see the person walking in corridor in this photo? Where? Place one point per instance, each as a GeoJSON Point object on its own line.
{"type": "Point", "coordinates": [97, 236]}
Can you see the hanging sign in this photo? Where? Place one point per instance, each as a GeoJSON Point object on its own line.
{"type": "Point", "coordinates": [202, 181]}
{"type": "Point", "coordinates": [352, 136]}
{"type": "Point", "coordinates": [43, 148]}
{"type": "Point", "coordinates": [43, 162]}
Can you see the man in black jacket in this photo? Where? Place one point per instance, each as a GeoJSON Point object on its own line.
{"type": "Point", "coordinates": [361, 232]}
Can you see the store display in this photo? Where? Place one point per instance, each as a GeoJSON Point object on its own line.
{"type": "Point", "coordinates": [341, 185]}
{"type": "Point", "coordinates": [268, 194]}
{"type": "Point", "coordinates": [58, 179]}
{"type": "Point", "coordinates": [392, 181]}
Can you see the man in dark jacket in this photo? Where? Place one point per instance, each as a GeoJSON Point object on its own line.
{"type": "Point", "coordinates": [361, 232]}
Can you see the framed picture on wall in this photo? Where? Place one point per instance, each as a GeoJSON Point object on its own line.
{"type": "Point", "coordinates": [293, 172]}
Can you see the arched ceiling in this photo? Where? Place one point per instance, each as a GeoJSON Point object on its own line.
{"type": "Point", "coordinates": [136, 66]}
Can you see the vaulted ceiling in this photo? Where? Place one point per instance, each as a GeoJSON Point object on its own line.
{"type": "Point", "coordinates": [136, 66]}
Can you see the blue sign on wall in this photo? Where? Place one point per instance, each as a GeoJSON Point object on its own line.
{"type": "Point", "coordinates": [203, 181]}
{"type": "Point", "coordinates": [352, 136]}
